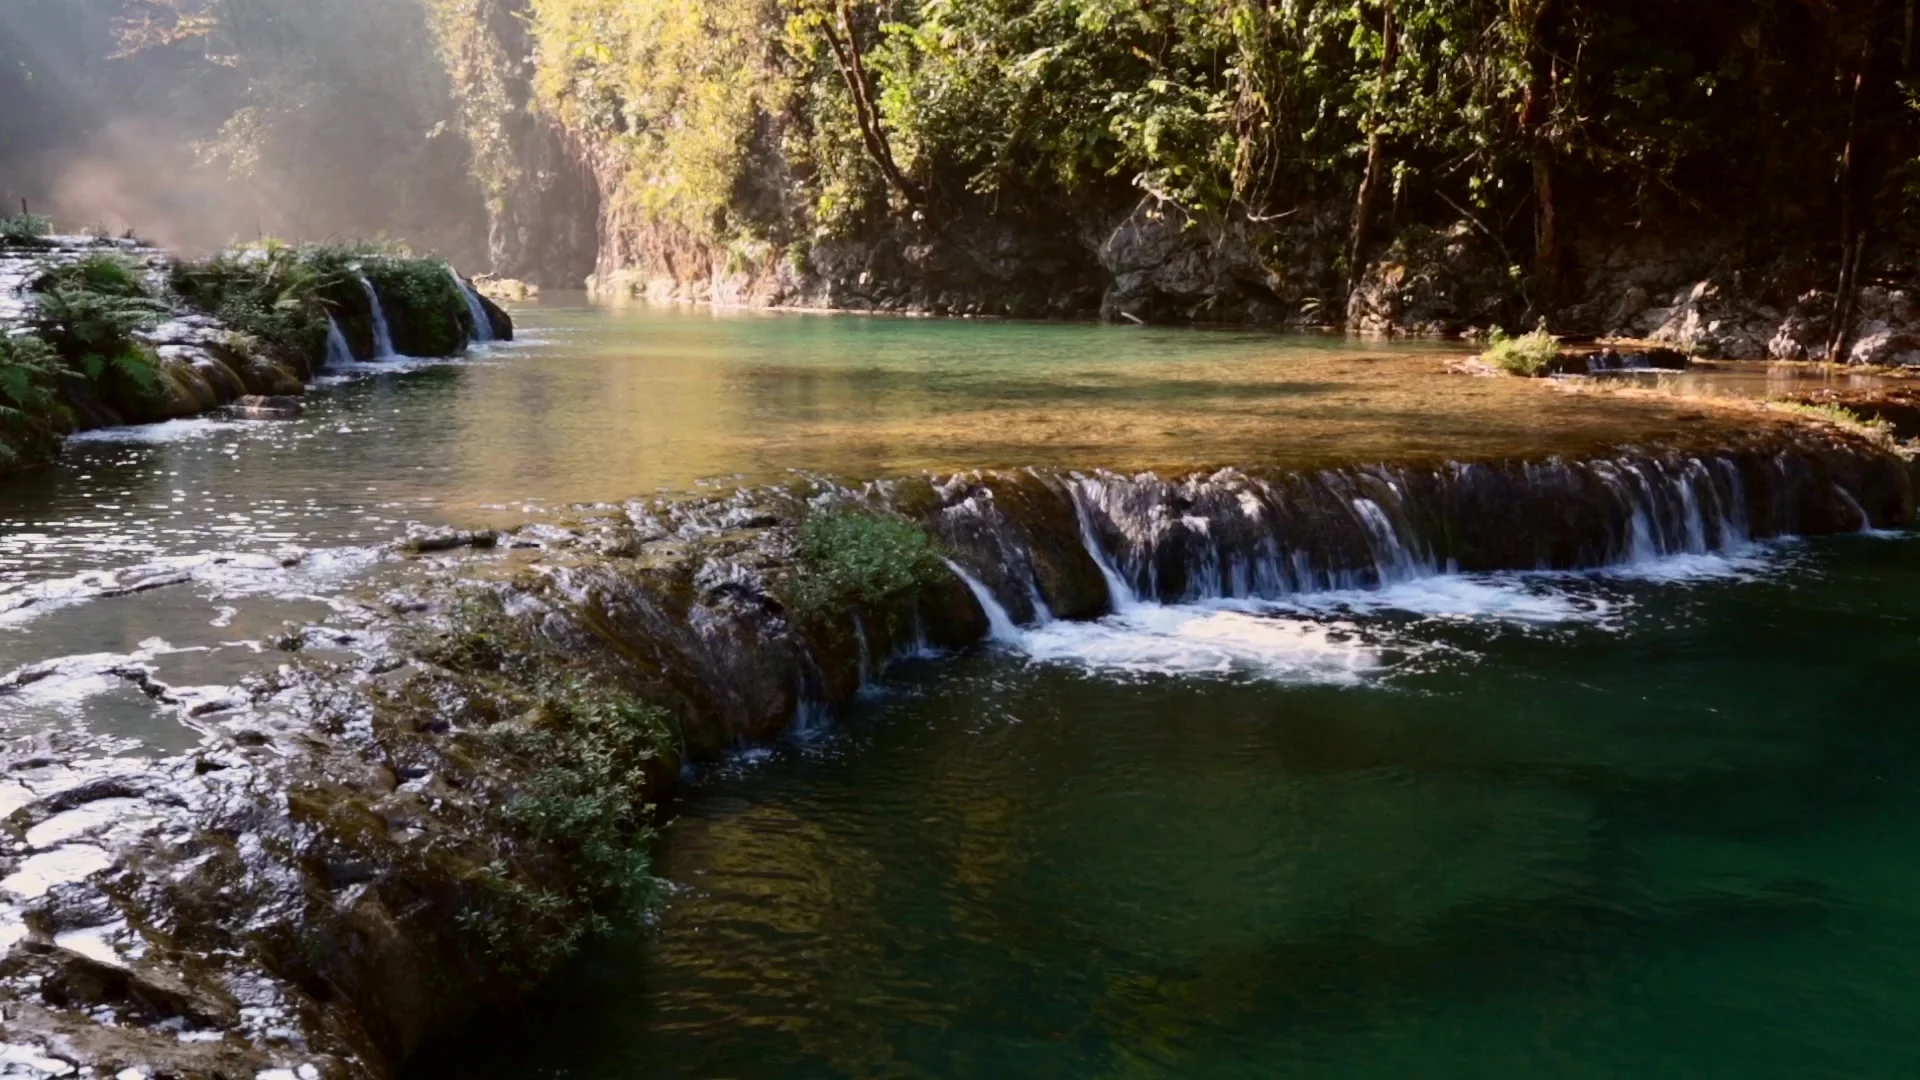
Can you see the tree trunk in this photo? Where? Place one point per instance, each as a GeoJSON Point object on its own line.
{"type": "Point", "coordinates": [845, 45]}
{"type": "Point", "coordinates": [1840, 334]}
{"type": "Point", "coordinates": [1376, 153]}
{"type": "Point", "coordinates": [1535, 112]}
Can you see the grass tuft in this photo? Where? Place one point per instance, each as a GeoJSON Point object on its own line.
{"type": "Point", "coordinates": [1875, 428]}
{"type": "Point", "coordinates": [1529, 355]}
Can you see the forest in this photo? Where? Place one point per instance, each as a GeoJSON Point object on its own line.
{"type": "Point", "coordinates": [1302, 139]}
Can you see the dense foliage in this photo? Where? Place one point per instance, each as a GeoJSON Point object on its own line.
{"type": "Point", "coordinates": [89, 312]}
{"type": "Point", "coordinates": [281, 295]}
{"type": "Point", "coordinates": [1525, 117]}
{"type": "Point", "coordinates": [32, 415]}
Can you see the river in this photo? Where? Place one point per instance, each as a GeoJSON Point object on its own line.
{"type": "Point", "coordinates": [1647, 820]}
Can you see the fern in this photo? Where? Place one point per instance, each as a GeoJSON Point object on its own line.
{"type": "Point", "coordinates": [32, 414]}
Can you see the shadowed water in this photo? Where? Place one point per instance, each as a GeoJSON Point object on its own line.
{"type": "Point", "coordinates": [1642, 824]}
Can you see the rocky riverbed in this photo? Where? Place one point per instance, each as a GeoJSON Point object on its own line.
{"type": "Point", "coordinates": [413, 806]}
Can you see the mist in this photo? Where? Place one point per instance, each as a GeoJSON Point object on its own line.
{"type": "Point", "coordinates": [197, 123]}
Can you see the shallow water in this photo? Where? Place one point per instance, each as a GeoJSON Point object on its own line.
{"type": "Point", "coordinates": [193, 518]}
{"type": "Point", "coordinates": [612, 403]}
{"type": "Point", "coordinates": [1649, 823]}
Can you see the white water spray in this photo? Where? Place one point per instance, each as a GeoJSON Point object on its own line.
{"type": "Point", "coordinates": [482, 325]}
{"type": "Point", "coordinates": [1000, 623]}
{"type": "Point", "coordinates": [339, 353]}
{"type": "Point", "coordinates": [1119, 593]}
{"type": "Point", "coordinates": [382, 334]}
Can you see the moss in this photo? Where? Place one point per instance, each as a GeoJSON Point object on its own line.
{"type": "Point", "coordinates": [1529, 355]}
{"type": "Point", "coordinates": [1877, 429]}
{"type": "Point", "coordinates": [849, 559]}
{"type": "Point", "coordinates": [587, 753]}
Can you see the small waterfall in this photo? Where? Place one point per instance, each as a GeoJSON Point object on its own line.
{"type": "Point", "coordinates": [382, 334]}
{"type": "Point", "coordinates": [865, 649]}
{"type": "Point", "coordinates": [482, 325]}
{"type": "Point", "coordinates": [999, 622]}
{"type": "Point", "coordinates": [1853, 504]}
{"type": "Point", "coordinates": [1042, 614]}
{"type": "Point", "coordinates": [339, 353]}
{"type": "Point", "coordinates": [1119, 592]}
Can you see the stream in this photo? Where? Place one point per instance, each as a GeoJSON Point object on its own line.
{"type": "Point", "coordinates": [1653, 819]}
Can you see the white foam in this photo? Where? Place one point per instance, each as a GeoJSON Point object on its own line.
{"type": "Point", "coordinates": [1749, 564]}
{"type": "Point", "coordinates": [168, 431]}
{"type": "Point", "coordinates": [1511, 598]}
{"type": "Point", "coordinates": [1197, 640]}
{"type": "Point", "coordinates": [39, 874]}
{"type": "Point", "coordinates": [1350, 635]}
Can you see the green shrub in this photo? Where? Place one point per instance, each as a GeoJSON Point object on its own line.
{"type": "Point", "coordinates": [89, 312]}
{"type": "Point", "coordinates": [587, 802]}
{"type": "Point", "coordinates": [25, 230]}
{"type": "Point", "coordinates": [590, 748]}
{"type": "Point", "coordinates": [849, 559]}
{"type": "Point", "coordinates": [104, 273]}
{"type": "Point", "coordinates": [1530, 355]}
{"type": "Point", "coordinates": [425, 310]}
{"type": "Point", "coordinates": [276, 294]}
{"type": "Point", "coordinates": [32, 414]}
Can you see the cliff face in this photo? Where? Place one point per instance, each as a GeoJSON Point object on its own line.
{"type": "Point", "coordinates": [542, 196]}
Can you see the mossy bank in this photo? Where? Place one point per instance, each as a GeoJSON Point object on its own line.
{"type": "Point", "coordinates": [98, 332]}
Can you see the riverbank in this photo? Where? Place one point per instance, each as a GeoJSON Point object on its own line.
{"type": "Point", "coordinates": [100, 332]}
{"type": "Point", "coordinates": [381, 838]}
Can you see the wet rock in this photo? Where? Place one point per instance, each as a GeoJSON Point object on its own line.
{"type": "Point", "coordinates": [423, 541]}
{"type": "Point", "coordinates": [1608, 357]}
{"type": "Point", "coordinates": [257, 407]}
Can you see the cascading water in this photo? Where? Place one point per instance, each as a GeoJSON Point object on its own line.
{"type": "Point", "coordinates": [1233, 571]}
{"type": "Point", "coordinates": [1209, 552]}
{"type": "Point", "coordinates": [382, 333]}
{"type": "Point", "coordinates": [476, 311]}
{"type": "Point", "coordinates": [339, 353]}
{"type": "Point", "coordinates": [1000, 624]}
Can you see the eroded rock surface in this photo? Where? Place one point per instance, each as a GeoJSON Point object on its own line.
{"type": "Point", "coordinates": [316, 890]}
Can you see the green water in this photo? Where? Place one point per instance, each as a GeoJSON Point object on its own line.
{"type": "Point", "coordinates": [1670, 831]}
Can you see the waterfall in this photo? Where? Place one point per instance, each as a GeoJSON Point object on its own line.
{"type": "Point", "coordinates": [339, 353]}
{"type": "Point", "coordinates": [1236, 536]}
{"type": "Point", "coordinates": [382, 334]}
{"type": "Point", "coordinates": [1119, 593]}
{"type": "Point", "coordinates": [999, 622]}
{"type": "Point", "coordinates": [1853, 504]}
{"type": "Point", "coordinates": [482, 325]}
